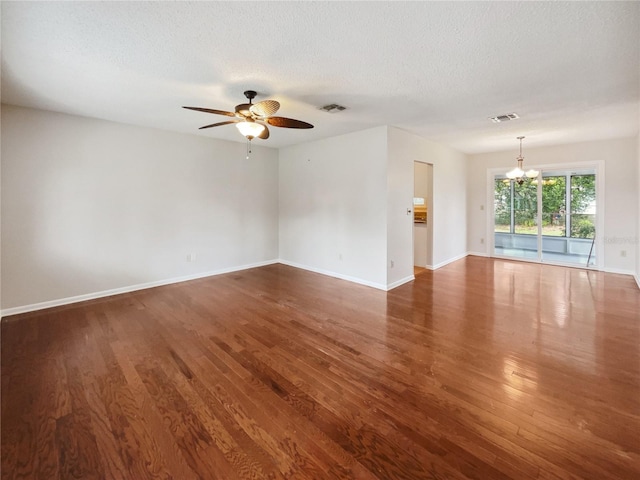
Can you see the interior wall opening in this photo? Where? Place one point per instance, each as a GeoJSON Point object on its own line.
{"type": "Point", "coordinates": [422, 216]}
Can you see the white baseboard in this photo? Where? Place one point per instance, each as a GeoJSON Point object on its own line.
{"type": "Point", "coordinates": [402, 281]}
{"type": "Point", "coordinates": [328, 273]}
{"type": "Point", "coordinates": [142, 286]}
{"type": "Point", "coordinates": [131, 288]}
{"type": "Point", "coordinates": [618, 271]}
{"type": "Point", "coordinates": [447, 262]}
{"type": "Point", "coordinates": [607, 270]}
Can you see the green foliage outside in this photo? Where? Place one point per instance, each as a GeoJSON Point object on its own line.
{"type": "Point", "coordinates": [502, 205]}
{"type": "Point", "coordinates": [582, 227]}
{"type": "Point", "coordinates": [583, 194]}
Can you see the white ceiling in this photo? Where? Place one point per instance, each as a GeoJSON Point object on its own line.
{"type": "Point", "coordinates": [571, 70]}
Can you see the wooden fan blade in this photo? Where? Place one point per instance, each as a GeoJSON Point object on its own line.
{"type": "Point", "coordinates": [266, 108]}
{"type": "Point", "coordinates": [287, 122]}
{"type": "Point", "coordinates": [211, 110]}
{"type": "Point", "coordinates": [265, 133]}
{"type": "Point", "coordinates": [218, 124]}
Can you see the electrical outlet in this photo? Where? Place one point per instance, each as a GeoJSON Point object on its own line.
{"type": "Point", "coordinates": [339, 256]}
{"type": "Point", "coordinates": [481, 207]}
{"type": "Point", "coordinates": [392, 263]}
{"type": "Point", "coordinates": [623, 253]}
{"type": "Point", "coordinates": [482, 240]}
{"type": "Point", "coordinates": [191, 257]}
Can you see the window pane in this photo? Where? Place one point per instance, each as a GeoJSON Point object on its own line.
{"type": "Point", "coordinates": [554, 193]}
{"type": "Point", "coordinates": [583, 206]}
{"type": "Point", "coordinates": [525, 208]}
{"type": "Point", "coordinates": [502, 205]}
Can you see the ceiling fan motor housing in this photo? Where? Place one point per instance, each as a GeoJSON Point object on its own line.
{"type": "Point", "coordinates": [244, 108]}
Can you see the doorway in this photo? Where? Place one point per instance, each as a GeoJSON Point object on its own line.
{"type": "Point", "coordinates": [551, 218]}
{"type": "Point", "coordinates": [422, 216]}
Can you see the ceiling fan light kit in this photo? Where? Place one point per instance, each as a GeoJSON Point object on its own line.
{"type": "Point", "coordinates": [251, 119]}
{"type": "Point", "coordinates": [250, 128]}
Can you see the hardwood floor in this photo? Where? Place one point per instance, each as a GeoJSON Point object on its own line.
{"type": "Point", "coordinates": [482, 369]}
{"type": "Point", "coordinates": [418, 270]}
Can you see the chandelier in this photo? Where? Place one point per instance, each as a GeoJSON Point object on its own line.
{"type": "Point", "coordinates": [518, 174]}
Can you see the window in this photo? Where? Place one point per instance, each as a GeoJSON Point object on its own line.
{"type": "Point", "coordinates": [525, 208]}
{"type": "Point", "coordinates": [583, 206]}
{"type": "Point", "coordinates": [502, 205]}
{"type": "Point", "coordinates": [554, 206]}
{"type": "Point", "coordinates": [516, 206]}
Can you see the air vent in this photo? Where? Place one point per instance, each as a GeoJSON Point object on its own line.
{"type": "Point", "coordinates": [504, 118]}
{"type": "Point", "coordinates": [333, 108]}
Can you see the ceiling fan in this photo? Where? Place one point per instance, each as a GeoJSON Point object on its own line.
{"type": "Point", "coordinates": [252, 118]}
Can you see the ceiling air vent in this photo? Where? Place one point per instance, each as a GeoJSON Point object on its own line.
{"type": "Point", "coordinates": [333, 108]}
{"type": "Point", "coordinates": [504, 118]}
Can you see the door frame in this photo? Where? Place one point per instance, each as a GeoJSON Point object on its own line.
{"type": "Point", "coordinates": [597, 165]}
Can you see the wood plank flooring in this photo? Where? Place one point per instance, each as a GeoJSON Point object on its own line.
{"type": "Point", "coordinates": [484, 369]}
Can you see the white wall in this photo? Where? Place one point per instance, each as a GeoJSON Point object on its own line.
{"type": "Point", "coordinates": [348, 196]}
{"type": "Point", "coordinates": [449, 201]}
{"type": "Point", "coordinates": [89, 206]}
{"type": "Point", "coordinates": [333, 206]}
{"type": "Point", "coordinates": [638, 217]}
{"type": "Point", "coordinates": [620, 159]}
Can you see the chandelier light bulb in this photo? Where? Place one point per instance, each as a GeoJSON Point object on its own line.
{"type": "Point", "coordinates": [515, 173]}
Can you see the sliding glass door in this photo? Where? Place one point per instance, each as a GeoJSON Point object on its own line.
{"type": "Point", "coordinates": [551, 218]}
{"type": "Point", "coordinates": [516, 219]}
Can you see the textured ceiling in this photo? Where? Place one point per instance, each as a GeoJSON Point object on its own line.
{"type": "Point", "coordinates": [571, 70]}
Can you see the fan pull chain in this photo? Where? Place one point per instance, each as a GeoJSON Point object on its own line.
{"type": "Point", "coordinates": [248, 148]}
